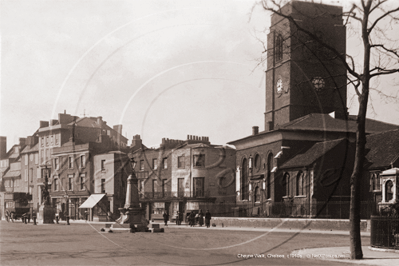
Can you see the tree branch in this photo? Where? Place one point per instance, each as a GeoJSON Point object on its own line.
{"type": "Point", "coordinates": [383, 72]}
{"type": "Point", "coordinates": [381, 17]}
{"type": "Point", "coordinates": [386, 49]}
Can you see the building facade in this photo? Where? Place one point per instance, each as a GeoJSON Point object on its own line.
{"type": "Point", "coordinates": [30, 170]}
{"type": "Point", "coordinates": [66, 150]}
{"type": "Point", "coordinates": [111, 171]}
{"type": "Point", "coordinates": [202, 177]}
{"type": "Point", "coordinates": [154, 172]}
{"type": "Point", "coordinates": [12, 194]}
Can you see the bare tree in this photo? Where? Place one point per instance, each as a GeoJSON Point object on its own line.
{"type": "Point", "coordinates": [372, 19]}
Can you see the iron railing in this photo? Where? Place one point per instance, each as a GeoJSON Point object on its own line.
{"type": "Point", "coordinates": [384, 232]}
{"type": "Point", "coordinates": [170, 195]}
{"type": "Point", "coordinates": [330, 210]}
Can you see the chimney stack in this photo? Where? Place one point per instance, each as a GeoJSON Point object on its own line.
{"type": "Point", "coordinates": [100, 121]}
{"type": "Point", "coordinates": [136, 142]}
{"type": "Point", "coordinates": [255, 130]}
{"type": "Point", "coordinates": [118, 128]}
{"type": "Point", "coordinates": [3, 147]}
{"type": "Point", "coordinates": [22, 142]}
{"type": "Point", "coordinates": [44, 124]}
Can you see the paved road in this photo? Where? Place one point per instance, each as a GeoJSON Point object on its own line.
{"type": "Point", "coordinates": [85, 244]}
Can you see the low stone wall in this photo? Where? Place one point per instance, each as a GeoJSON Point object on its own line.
{"type": "Point", "coordinates": [286, 223]}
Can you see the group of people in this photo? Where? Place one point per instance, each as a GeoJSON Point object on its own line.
{"type": "Point", "coordinates": [192, 218]}
{"type": "Point", "coordinates": [199, 217]}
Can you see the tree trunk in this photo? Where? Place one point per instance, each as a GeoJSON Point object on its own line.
{"type": "Point", "coordinates": [355, 238]}
{"type": "Point", "coordinates": [356, 178]}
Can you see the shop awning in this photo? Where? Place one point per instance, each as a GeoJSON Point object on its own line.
{"type": "Point", "coordinates": [92, 201]}
{"type": "Point", "coordinates": [16, 173]}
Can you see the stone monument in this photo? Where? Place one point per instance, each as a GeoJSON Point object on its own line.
{"type": "Point", "coordinates": [45, 210]}
{"type": "Point", "coordinates": [132, 213]}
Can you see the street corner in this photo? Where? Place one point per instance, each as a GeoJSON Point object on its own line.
{"type": "Point", "coordinates": [327, 253]}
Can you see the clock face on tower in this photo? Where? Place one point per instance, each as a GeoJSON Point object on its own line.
{"type": "Point", "coordinates": [279, 86]}
{"type": "Point", "coordinates": [318, 83]}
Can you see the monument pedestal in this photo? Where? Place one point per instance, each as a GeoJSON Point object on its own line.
{"type": "Point", "coordinates": [130, 217]}
{"type": "Point", "coordinates": [132, 214]}
{"type": "Point", "coordinates": [47, 213]}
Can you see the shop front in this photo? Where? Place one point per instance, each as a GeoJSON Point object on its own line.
{"type": "Point", "coordinates": [157, 209]}
{"type": "Point", "coordinates": [98, 208]}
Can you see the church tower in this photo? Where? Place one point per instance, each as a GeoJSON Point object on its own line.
{"type": "Point", "coordinates": [303, 76]}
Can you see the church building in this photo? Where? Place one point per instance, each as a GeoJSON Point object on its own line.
{"type": "Point", "coordinates": [303, 159]}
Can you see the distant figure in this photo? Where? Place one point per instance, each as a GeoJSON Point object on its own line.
{"type": "Point", "coordinates": [12, 216]}
{"type": "Point", "coordinates": [86, 215]}
{"type": "Point", "coordinates": [7, 216]}
{"type": "Point", "coordinates": [165, 218]}
{"type": "Point", "coordinates": [200, 218]}
{"type": "Point", "coordinates": [178, 222]}
{"type": "Point", "coordinates": [208, 217]}
{"type": "Point", "coordinates": [191, 219]}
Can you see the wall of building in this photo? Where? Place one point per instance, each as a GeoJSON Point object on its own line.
{"type": "Point", "coordinates": [112, 178]}
{"type": "Point", "coordinates": [30, 171]}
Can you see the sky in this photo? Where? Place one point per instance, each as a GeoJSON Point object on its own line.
{"type": "Point", "coordinates": [162, 69]}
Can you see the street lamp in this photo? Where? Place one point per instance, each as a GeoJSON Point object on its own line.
{"type": "Point", "coordinates": [133, 163]}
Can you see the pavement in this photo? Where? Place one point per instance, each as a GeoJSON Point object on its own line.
{"type": "Point", "coordinates": [371, 256]}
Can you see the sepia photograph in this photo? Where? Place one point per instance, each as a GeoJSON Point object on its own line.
{"type": "Point", "coordinates": [182, 132]}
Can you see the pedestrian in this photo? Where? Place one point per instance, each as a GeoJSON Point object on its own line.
{"type": "Point", "coordinates": [178, 218]}
{"type": "Point", "coordinates": [165, 218]}
{"type": "Point", "coordinates": [86, 215]}
{"type": "Point", "coordinates": [191, 219]}
{"type": "Point", "coordinates": [7, 216]}
{"type": "Point", "coordinates": [200, 218]}
{"type": "Point", "coordinates": [12, 216]}
{"type": "Point", "coordinates": [208, 217]}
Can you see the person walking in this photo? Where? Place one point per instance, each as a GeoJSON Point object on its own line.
{"type": "Point", "coordinates": [165, 218]}
{"type": "Point", "coordinates": [200, 218]}
{"type": "Point", "coordinates": [7, 216]}
{"type": "Point", "coordinates": [208, 217]}
{"type": "Point", "coordinates": [178, 222]}
{"type": "Point", "coordinates": [191, 219]}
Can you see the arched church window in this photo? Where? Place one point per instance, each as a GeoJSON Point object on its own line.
{"type": "Point", "coordinates": [269, 174]}
{"type": "Point", "coordinates": [377, 185]}
{"type": "Point", "coordinates": [388, 190]}
{"type": "Point", "coordinates": [286, 184]}
{"type": "Point", "coordinates": [299, 184]}
{"type": "Point", "coordinates": [244, 180]}
{"type": "Point", "coordinates": [372, 182]}
{"type": "Point", "coordinates": [257, 194]}
{"type": "Point", "coordinates": [257, 162]}
{"type": "Point", "coordinates": [279, 48]}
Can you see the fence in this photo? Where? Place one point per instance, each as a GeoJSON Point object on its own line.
{"type": "Point", "coordinates": [330, 210]}
{"type": "Point", "coordinates": [384, 232]}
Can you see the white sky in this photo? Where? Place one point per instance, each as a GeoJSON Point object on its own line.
{"type": "Point", "coordinates": [161, 68]}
